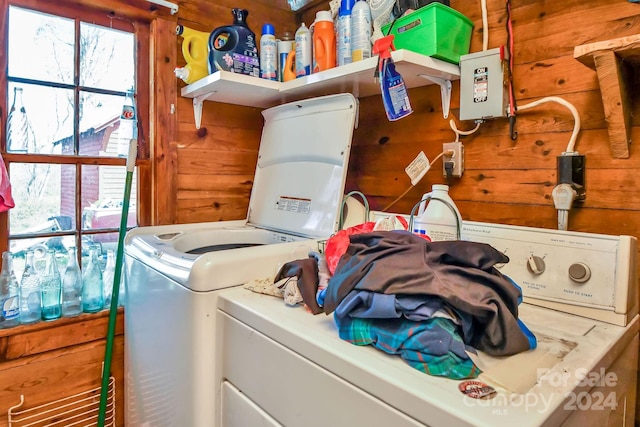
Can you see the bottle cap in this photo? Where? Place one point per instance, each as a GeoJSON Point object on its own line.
{"type": "Point", "coordinates": [268, 29]}
{"type": "Point", "coordinates": [182, 73]}
{"type": "Point", "coordinates": [346, 6]}
{"type": "Point", "coordinates": [324, 15]}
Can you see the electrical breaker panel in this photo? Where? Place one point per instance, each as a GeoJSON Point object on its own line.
{"type": "Point", "coordinates": [483, 85]}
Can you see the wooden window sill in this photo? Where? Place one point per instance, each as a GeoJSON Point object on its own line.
{"type": "Point", "coordinates": [30, 340]}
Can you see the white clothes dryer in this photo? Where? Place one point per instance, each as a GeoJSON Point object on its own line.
{"type": "Point", "coordinates": [282, 366]}
{"type": "Point", "coordinates": [174, 273]}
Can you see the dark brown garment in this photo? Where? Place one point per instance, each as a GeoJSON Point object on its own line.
{"type": "Point", "coordinates": [460, 273]}
{"type": "Point", "coordinates": [306, 270]}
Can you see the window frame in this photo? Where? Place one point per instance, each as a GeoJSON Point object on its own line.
{"type": "Point", "coordinates": [140, 28]}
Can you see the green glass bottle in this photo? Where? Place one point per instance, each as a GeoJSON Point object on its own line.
{"type": "Point", "coordinates": [92, 285]}
{"type": "Point", "coordinates": [51, 288]}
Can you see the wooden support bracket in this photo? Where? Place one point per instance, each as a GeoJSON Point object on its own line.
{"type": "Point", "coordinates": [614, 61]}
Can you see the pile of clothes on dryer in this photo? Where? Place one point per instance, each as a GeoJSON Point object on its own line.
{"type": "Point", "coordinates": [431, 303]}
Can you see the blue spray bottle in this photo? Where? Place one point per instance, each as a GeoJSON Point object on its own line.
{"type": "Point", "coordinates": [394, 92]}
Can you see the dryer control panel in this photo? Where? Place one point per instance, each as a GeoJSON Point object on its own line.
{"type": "Point", "coordinates": [587, 274]}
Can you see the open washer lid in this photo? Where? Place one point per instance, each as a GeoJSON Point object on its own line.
{"type": "Point", "coordinates": [302, 166]}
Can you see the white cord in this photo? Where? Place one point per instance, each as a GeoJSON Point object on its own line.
{"type": "Point", "coordinates": [574, 112]}
{"type": "Point", "coordinates": [458, 132]}
{"type": "Point", "coordinates": [449, 152]}
{"type": "Point", "coordinates": [485, 25]}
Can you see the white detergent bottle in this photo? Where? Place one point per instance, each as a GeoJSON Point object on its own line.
{"type": "Point", "coordinates": [438, 216]}
{"type": "Point", "coordinates": [343, 43]}
{"type": "Point", "coordinates": [360, 31]}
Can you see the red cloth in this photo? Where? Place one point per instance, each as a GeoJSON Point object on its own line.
{"type": "Point", "coordinates": [337, 244]}
{"type": "Point", "coordinates": [6, 199]}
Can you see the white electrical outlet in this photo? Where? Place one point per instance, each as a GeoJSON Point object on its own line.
{"type": "Point", "coordinates": [457, 159]}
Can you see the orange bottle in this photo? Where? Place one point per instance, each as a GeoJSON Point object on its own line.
{"type": "Point", "coordinates": [324, 42]}
{"type": "Point", "coordinates": [289, 72]}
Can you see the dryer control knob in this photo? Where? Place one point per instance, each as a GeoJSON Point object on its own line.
{"type": "Point", "coordinates": [579, 272]}
{"type": "Point", "coordinates": [535, 264]}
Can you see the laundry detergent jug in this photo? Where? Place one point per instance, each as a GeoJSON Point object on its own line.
{"type": "Point", "coordinates": [438, 215]}
{"type": "Point", "coordinates": [324, 42]}
{"type": "Point", "coordinates": [195, 51]}
{"type": "Point", "coordinates": [233, 47]}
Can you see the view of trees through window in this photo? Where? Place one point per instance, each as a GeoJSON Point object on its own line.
{"type": "Point", "coordinates": [66, 84]}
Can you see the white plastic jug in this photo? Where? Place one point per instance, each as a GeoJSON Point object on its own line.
{"type": "Point", "coordinates": [438, 216]}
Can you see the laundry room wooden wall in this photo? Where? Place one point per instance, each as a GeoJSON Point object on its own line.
{"type": "Point", "coordinates": [511, 181]}
{"type": "Point", "coordinates": [504, 181]}
{"type": "Point", "coordinates": [206, 174]}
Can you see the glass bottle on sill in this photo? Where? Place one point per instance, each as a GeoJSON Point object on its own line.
{"type": "Point", "coordinates": [9, 294]}
{"type": "Point", "coordinates": [122, 294]}
{"type": "Point", "coordinates": [72, 286]}
{"type": "Point", "coordinates": [51, 287]}
{"type": "Point", "coordinates": [108, 277]}
{"type": "Point", "coordinates": [92, 285]}
{"type": "Point", "coordinates": [30, 307]}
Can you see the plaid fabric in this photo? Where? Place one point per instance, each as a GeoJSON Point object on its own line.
{"type": "Point", "coordinates": [432, 346]}
{"type": "Point", "coordinates": [462, 274]}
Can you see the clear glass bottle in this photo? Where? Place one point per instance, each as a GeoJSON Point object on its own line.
{"type": "Point", "coordinates": [107, 278]}
{"type": "Point", "coordinates": [122, 294]}
{"type": "Point", "coordinates": [72, 286]}
{"type": "Point", "coordinates": [19, 132]}
{"type": "Point", "coordinates": [30, 308]}
{"type": "Point", "coordinates": [51, 288]}
{"type": "Point", "coordinates": [9, 294]}
{"type": "Point", "coordinates": [92, 285]}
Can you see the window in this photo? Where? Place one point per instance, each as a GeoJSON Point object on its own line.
{"type": "Point", "coordinates": [68, 74]}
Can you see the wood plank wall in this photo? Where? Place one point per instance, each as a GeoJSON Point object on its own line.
{"type": "Point", "coordinates": [505, 181]}
{"type": "Point", "coordinates": [49, 361]}
{"type": "Point", "coordinates": [215, 164]}
{"type": "Point", "coordinates": [511, 181]}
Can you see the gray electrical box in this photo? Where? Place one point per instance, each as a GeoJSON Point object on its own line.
{"type": "Point", "coordinates": [483, 85]}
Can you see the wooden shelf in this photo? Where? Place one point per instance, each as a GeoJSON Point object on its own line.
{"type": "Point", "coordinates": [356, 78]}
{"type": "Point", "coordinates": [614, 61]}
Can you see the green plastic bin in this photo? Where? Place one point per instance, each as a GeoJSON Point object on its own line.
{"type": "Point", "coordinates": [433, 30]}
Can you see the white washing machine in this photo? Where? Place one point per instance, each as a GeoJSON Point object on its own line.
{"type": "Point", "coordinates": [175, 273]}
{"type": "Point", "coordinates": [281, 366]}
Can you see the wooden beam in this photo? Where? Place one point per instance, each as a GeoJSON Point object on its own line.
{"type": "Point", "coordinates": [613, 60]}
{"type": "Point", "coordinates": [627, 48]}
{"type": "Point", "coordinates": [164, 97]}
{"type": "Point", "coordinates": [616, 101]}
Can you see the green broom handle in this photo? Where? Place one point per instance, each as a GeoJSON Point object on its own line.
{"type": "Point", "coordinates": [113, 310]}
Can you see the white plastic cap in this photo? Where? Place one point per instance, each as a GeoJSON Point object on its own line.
{"type": "Point", "coordinates": [182, 73]}
{"type": "Point", "coordinates": [324, 15]}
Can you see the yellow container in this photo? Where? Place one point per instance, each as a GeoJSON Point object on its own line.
{"type": "Point", "coordinates": [195, 47]}
{"type": "Point", "coordinates": [191, 73]}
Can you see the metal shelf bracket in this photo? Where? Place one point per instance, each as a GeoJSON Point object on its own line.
{"type": "Point", "coordinates": [197, 109]}
{"type": "Point", "coordinates": [445, 92]}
